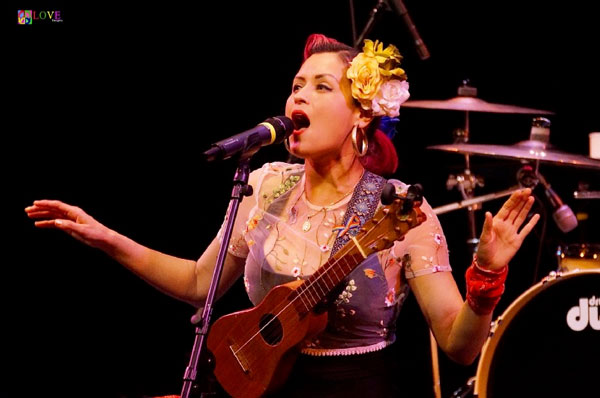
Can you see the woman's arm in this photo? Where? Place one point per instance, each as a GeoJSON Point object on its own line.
{"type": "Point", "coordinates": [186, 280]}
{"type": "Point", "coordinates": [459, 330]}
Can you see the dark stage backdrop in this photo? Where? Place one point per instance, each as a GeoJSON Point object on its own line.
{"type": "Point", "coordinates": [110, 108]}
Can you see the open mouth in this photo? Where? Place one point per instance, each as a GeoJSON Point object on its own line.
{"type": "Point", "coordinates": [300, 120]}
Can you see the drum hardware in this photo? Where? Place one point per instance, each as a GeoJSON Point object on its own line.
{"type": "Point", "coordinates": [467, 182]}
{"type": "Point", "coordinates": [578, 256]}
{"type": "Point", "coordinates": [586, 194]}
{"type": "Point", "coordinates": [467, 101]}
{"type": "Point", "coordinates": [523, 151]}
{"type": "Point", "coordinates": [537, 148]}
{"type": "Point", "coordinates": [553, 275]}
{"type": "Point", "coordinates": [474, 201]}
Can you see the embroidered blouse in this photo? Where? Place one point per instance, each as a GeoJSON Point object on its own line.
{"type": "Point", "coordinates": [285, 237]}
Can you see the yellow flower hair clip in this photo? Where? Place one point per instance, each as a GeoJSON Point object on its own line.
{"type": "Point", "coordinates": [378, 82]}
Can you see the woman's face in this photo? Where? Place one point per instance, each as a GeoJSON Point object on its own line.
{"type": "Point", "coordinates": [322, 108]}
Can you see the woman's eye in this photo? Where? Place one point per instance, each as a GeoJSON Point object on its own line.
{"type": "Point", "coordinates": [323, 87]}
{"type": "Point", "coordinates": [296, 87]}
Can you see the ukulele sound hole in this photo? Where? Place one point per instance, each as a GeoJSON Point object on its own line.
{"type": "Point", "coordinates": [270, 329]}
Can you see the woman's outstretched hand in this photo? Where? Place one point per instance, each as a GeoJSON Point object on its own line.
{"type": "Point", "coordinates": [501, 238]}
{"type": "Point", "coordinates": [70, 219]}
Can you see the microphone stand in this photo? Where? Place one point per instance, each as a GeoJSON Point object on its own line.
{"type": "Point", "coordinates": [381, 4]}
{"type": "Point", "coordinates": [240, 189]}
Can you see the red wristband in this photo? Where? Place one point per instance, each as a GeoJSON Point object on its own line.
{"type": "Point", "coordinates": [484, 287]}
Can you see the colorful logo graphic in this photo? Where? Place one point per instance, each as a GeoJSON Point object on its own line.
{"type": "Point", "coordinates": [24, 17]}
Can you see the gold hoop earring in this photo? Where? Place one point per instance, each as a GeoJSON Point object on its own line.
{"type": "Point", "coordinates": [362, 148]}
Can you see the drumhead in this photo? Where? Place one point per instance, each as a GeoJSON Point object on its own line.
{"type": "Point", "coordinates": [547, 342]}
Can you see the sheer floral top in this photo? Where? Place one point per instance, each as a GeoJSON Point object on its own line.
{"type": "Point", "coordinates": [285, 237]}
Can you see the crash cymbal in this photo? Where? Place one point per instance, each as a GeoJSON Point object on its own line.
{"type": "Point", "coordinates": [473, 104]}
{"type": "Point", "coordinates": [525, 150]}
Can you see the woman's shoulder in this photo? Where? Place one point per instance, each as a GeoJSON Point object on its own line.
{"type": "Point", "coordinates": [280, 168]}
{"type": "Point", "coordinates": [277, 170]}
{"type": "Point", "coordinates": [274, 179]}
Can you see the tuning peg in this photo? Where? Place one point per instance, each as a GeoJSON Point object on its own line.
{"type": "Point", "coordinates": [388, 195]}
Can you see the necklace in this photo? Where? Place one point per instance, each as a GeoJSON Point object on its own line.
{"type": "Point", "coordinates": [306, 226]}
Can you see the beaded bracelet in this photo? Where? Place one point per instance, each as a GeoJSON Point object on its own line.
{"type": "Point", "coordinates": [484, 287]}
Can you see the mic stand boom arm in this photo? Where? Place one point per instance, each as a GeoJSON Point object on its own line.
{"type": "Point", "coordinates": [381, 4]}
{"type": "Point", "coordinates": [240, 189]}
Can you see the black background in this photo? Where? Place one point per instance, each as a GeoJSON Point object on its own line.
{"type": "Point", "coordinates": [109, 109]}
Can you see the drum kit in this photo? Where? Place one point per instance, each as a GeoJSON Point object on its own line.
{"type": "Point", "coordinates": [547, 342]}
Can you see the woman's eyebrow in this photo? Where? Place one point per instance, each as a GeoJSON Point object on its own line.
{"type": "Point", "coordinates": [319, 76]}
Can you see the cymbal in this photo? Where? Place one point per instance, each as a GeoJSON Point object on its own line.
{"type": "Point", "coordinates": [474, 104]}
{"type": "Point", "coordinates": [525, 150]}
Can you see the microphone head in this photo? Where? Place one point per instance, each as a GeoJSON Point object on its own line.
{"type": "Point", "coordinates": [283, 126]}
{"type": "Point", "coordinates": [565, 219]}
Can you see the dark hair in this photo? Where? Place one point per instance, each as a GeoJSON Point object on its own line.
{"type": "Point", "coordinates": [381, 158]}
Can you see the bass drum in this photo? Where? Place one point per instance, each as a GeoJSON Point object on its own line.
{"type": "Point", "coordinates": [547, 342]}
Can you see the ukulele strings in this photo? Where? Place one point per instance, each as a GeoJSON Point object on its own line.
{"type": "Point", "coordinates": [302, 289]}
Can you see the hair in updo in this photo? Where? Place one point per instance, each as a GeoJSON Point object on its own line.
{"type": "Point", "coordinates": [381, 158]}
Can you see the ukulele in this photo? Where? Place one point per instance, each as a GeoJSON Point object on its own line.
{"type": "Point", "coordinates": [254, 349]}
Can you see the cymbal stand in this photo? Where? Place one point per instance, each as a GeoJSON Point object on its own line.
{"type": "Point", "coordinates": [467, 182]}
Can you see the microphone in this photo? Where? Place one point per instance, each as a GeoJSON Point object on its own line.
{"type": "Point", "coordinates": [272, 131]}
{"type": "Point", "coordinates": [562, 215]}
{"type": "Point", "coordinates": [403, 12]}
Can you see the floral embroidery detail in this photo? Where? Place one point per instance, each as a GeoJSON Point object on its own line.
{"type": "Point", "coordinates": [345, 296]}
{"type": "Point", "coordinates": [246, 284]}
{"type": "Point", "coordinates": [296, 271]}
{"type": "Point", "coordinates": [283, 187]}
{"type": "Point", "coordinates": [429, 260]}
{"type": "Point", "coordinates": [370, 273]}
{"type": "Point", "coordinates": [369, 202]}
{"type": "Point", "coordinates": [324, 248]}
{"type": "Point", "coordinates": [437, 238]}
{"type": "Point", "coordinates": [370, 187]}
{"type": "Point", "coordinates": [362, 208]}
{"type": "Point", "coordinates": [237, 247]}
{"type": "Point", "coordinates": [253, 222]}
{"type": "Point", "coordinates": [251, 243]}
{"type": "Point", "coordinates": [391, 262]}
{"type": "Point", "coordinates": [390, 297]}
